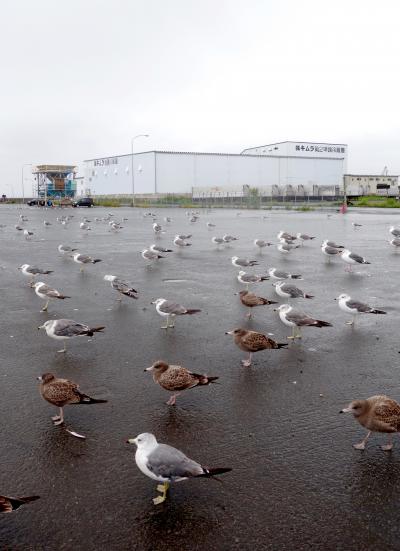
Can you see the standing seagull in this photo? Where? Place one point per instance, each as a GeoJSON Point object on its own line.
{"type": "Point", "coordinates": [248, 279]}
{"type": "Point", "coordinates": [260, 243]}
{"type": "Point", "coordinates": [45, 292]}
{"type": "Point", "coordinates": [285, 248]}
{"type": "Point", "coordinates": [394, 231]}
{"type": "Point", "coordinates": [32, 272]}
{"type": "Point", "coordinates": [287, 290]}
{"type": "Point", "coordinates": [158, 249]}
{"type": "Point", "coordinates": [10, 504]}
{"type": "Point", "coordinates": [330, 252]}
{"type": "Point", "coordinates": [355, 308]}
{"type": "Point", "coordinates": [63, 329]}
{"type": "Point", "coordinates": [28, 234]}
{"type": "Point", "coordinates": [84, 259]}
{"type": "Point", "coordinates": [179, 242]}
{"type": "Point", "coordinates": [84, 226]}
{"type": "Point", "coordinates": [352, 258]}
{"type": "Point", "coordinates": [395, 242]}
{"type": "Point", "coordinates": [167, 464]}
{"type": "Point", "coordinates": [168, 309]}
{"type": "Point", "coordinates": [251, 300]}
{"type": "Point", "coordinates": [229, 238]}
{"type": "Point", "coordinates": [46, 224]}
{"type": "Point", "coordinates": [304, 236]}
{"type": "Point", "coordinates": [157, 229]}
{"type": "Point", "coordinates": [217, 241]}
{"type": "Point", "coordinates": [61, 392]}
{"type": "Point", "coordinates": [280, 275]}
{"type": "Point", "coordinates": [243, 262]}
{"type": "Point", "coordinates": [121, 287]}
{"type": "Point", "coordinates": [63, 249]}
{"type": "Point", "coordinates": [148, 254]}
{"type": "Point", "coordinates": [251, 341]}
{"type": "Point", "coordinates": [376, 414]}
{"type": "Point", "coordinates": [286, 236]}
{"type": "Point", "coordinates": [332, 244]}
{"type": "Point", "coordinates": [297, 319]}
{"type": "Point", "coordinates": [175, 378]}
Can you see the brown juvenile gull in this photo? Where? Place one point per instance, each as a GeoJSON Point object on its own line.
{"type": "Point", "coordinates": [168, 309]}
{"type": "Point", "coordinates": [251, 341]}
{"type": "Point", "coordinates": [46, 293]}
{"type": "Point", "coordinates": [63, 329]}
{"type": "Point", "coordinates": [376, 414]}
{"type": "Point", "coordinates": [61, 392]}
{"type": "Point", "coordinates": [10, 504]}
{"type": "Point", "coordinates": [251, 300]}
{"type": "Point", "coordinates": [167, 464]}
{"type": "Point", "coordinates": [175, 378]}
{"type": "Point", "coordinates": [121, 287]}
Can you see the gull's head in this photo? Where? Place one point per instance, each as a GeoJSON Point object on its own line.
{"type": "Point", "coordinates": [109, 277]}
{"type": "Point", "coordinates": [357, 408]}
{"type": "Point", "coordinates": [46, 378]}
{"type": "Point", "coordinates": [38, 284]}
{"type": "Point", "coordinates": [234, 258]}
{"type": "Point", "coordinates": [146, 440]}
{"type": "Point", "coordinates": [23, 267]}
{"type": "Point", "coordinates": [158, 367]}
{"type": "Point", "coordinates": [158, 301]}
{"type": "Point", "coordinates": [284, 308]}
{"type": "Point", "coordinates": [343, 296]}
{"type": "Point", "coordinates": [242, 273]}
{"type": "Point", "coordinates": [46, 324]}
{"type": "Point", "coordinates": [242, 293]}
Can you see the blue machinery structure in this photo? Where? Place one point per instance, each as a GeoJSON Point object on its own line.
{"type": "Point", "coordinates": [55, 181]}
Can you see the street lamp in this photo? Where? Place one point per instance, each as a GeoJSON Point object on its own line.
{"type": "Point", "coordinates": [22, 181]}
{"type": "Point", "coordinates": [133, 169]}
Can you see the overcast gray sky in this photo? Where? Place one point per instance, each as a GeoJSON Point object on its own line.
{"type": "Point", "coordinates": [80, 77]}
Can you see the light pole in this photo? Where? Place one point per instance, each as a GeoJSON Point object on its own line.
{"type": "Point", "coordinates": [133, 168]}
{"type": "Point", "coordinates": [22, 182]}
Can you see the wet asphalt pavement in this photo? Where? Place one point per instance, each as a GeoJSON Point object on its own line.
{"type": "Point", "coordinates": [296, 483]}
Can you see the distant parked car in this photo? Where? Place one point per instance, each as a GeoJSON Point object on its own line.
{"type": "Point", "coordinates": [83, 202]}
{"type": "Point", "coordinates": [36, 202]}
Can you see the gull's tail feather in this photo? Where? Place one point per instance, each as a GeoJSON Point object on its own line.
{"type": "Point", "coordinates": [308, 296]}
{"type": "Point", "coordinates": [85, 399]}
{"type": "Point", "coordinates": [204, 380]}
{"type": "Point", "coordinates": [192, 311]}
{"type": "Point", "coordinates": [95, 260]}
{"type": "Point", "coordinates": [93, 330]}
{"type": "Point", "coordinates": [376, 311]}
{"type": "Point", "coordinates": [130, 293]}
{"type": "Point", "coordinates": [15, 502]}
{"type": "Point", "coordinates": [320, 323]}
{"type": "Point", "coordinates": [213, 472]}
{"type": "Point", "coordinates": [282, 344]}
{"type": "Point", "coordinates": [295, 276]}
{"type": "Point", "coordinates": [46, 272]}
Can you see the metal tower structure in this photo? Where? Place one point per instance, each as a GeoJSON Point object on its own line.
{"type": "Point", "coordinates": [55, 181]}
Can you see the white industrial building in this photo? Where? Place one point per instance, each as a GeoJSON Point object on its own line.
{"type": "Point", "coordinates": [286, 168]}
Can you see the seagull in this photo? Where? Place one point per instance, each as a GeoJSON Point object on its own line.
{"type": "Point", "coordinates": [376, 414]}
{"type": "Point", "coordinates": [251, 341]}
{"type": "Point", "coordinates": [32, 272]}
{"type": "Point", "coordinates": [28, 234]}
{"type": "Point", "coordinates": [281, 275]}
{"type": "Point", "coordinates": [260, 243]}
{"type": "Point", "coordinates": [330, 252]}
{"type": "Point", "coordinates": [243, 262]}
{"type": "Point", "coordinates": [304, 237]}
{"type": "Point", "coordinates": [158, 249]}
{"type": "Point", "coordinates": [148, 254]}
{"type": "Point", "coordinates": [61, 392]}
{"type": "Point", "coordinates": [157, 229]}
{"type": "Point", "coordinates": [251, 300]}
{"type": "Point", "coordinates": [18, 228]}
{"type": "Point", "coordinates": [217, 241]}
{"type": "Point", "coordinates": [352, 258]}
{"type": "Point", "coordinates": [229, 238]}
{"type": "Point", "coordinates": [84, 259]}
{"type": "Point", "coordinates": [175, 378]}
{"type": "Point", "coordinates": [355, 308]}
{"type": "Point", "coordinates": [332, 244]}
{"type": "Point", "coordinates": [84, 226]}
{"type": "Point", "coordinates": [248, 279]}
{"type": "Point", "coordinates": [167, 464]}
{"type": "Point", "coordinates": [121, 287]}
{"type": "Point", "coordinates": [167, 219]}
{"type": "Point", "coordinates": [285, 248]}
{"type": "Point", "coordinates": [285, 235]}
{"type": "Point", "coordinates": [45, 292]}
{"type": "Point", "coordinates": [10, 504]}
{"type": "Point", "coordinates": [394, 231]}
{"type": "Point", "coordinates": [395, 242]}
{"type": "Point", "coordinates": [168, 309]}
{"type": "Point", "coordinates": [115, 227]}
{"type": "Point", "coordinates": [193, 219]}
{"type": "Point", "coordinates": [63, 329]}
{"type": "Point", "coordinates": [355, 225]}
{"type": "Point", "coordinates": [184, 237]}
{"type": "Point", "coordinates": [210, 225]}
{"type": "Point", "coordinates": [65, 249]}
{"type": "Point", "coordinates": [297, 319]}
{"type": "Point", "coordinates": [287, 290]}
{"type": "Point", "coordinates": [181, 242]}
{"type": "Point", "coordinates": [46, 224]}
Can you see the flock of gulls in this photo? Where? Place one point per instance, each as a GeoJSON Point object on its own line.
{"type": "Point", "coordinates": [162, 462]}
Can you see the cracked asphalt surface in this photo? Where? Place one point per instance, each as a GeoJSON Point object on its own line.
{"type": "Point", "coordinates": [296, 483]}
